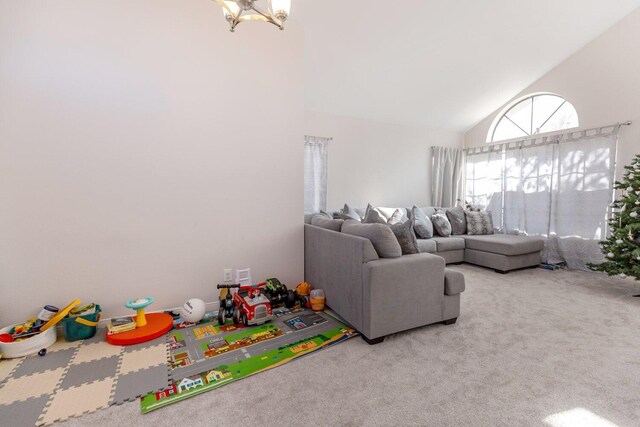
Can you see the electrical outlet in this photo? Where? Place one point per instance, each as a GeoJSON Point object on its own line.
{"type": "Point", "coordinates": [228, 274]}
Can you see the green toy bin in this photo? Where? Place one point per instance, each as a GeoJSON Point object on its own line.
{"type": "Point", "coordinates": [81, 327]}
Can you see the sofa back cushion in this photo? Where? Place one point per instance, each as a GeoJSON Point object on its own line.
{"type": "Point", "coordinates": [383, 240]}
{"type": "Point", "coordinates": [324, 222]}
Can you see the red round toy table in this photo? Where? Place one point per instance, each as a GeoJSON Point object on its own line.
{"type": "Point", "coordinates": [157, 324]}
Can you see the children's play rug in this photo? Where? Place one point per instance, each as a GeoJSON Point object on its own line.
{"type": "Point", "coordinates": [79, 377]}
{"type": "Point", "coordinates": [207, 356]}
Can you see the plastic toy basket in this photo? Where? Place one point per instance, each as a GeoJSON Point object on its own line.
{"type": "Point", "coordinates": [81, 327]}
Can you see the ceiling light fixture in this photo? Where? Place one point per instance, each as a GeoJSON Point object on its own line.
{"type": "Point", "coordinates": [237, 11]}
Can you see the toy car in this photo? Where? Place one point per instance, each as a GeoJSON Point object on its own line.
{"type": "Point", "coordinates": [251, 307]}
{"type": "Point", "coordinates": [278, 294]}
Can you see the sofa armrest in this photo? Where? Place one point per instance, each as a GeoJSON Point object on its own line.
{"type": "Point", "coordinates": [402, 293]}
{"type": "Point", "coordinates": [453, 282]}
{"type": "Point", "coordinates": [333, 262]}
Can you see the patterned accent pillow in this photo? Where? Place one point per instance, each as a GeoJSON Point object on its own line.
{"type": "Point", "coordinates": [397, 218]}
{"type": "Point", "coordinates": [441, 224]}
{"type": "Point", "coordinates": [479, 223]}
{"type": "Point", "coordinates": [457, 219]}
{"type": "Point", "coordinates": [406, 237]}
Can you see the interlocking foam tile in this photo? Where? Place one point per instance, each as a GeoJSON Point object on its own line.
{"type": "Point", "coordinates": [76, 401]}
{"type": "Point", "coordinates": [139, 383]}
{"type": "Point", "coordinates": [150, 356]}
{"type": "Point", "coordinates": [61, 344]}
{"type": "Point", "coordinates": [23, 413]}
{"type": "Point", "coordinates": [28, 386]}
{"type": "Point", "coordinates": [135, 347]}
{"type": "Point", "coordinates": [7, 366]}
{"type": "Point", "coordinates": [98, 337]}
{"type": "Point", "coordinates": [34, 363]}
{"type": "Point", "coordinates": [89, 372]}
{"type": "Point", "coordinates": [96, 351]}
{"type": "Point", "coordinates": [78, 377]}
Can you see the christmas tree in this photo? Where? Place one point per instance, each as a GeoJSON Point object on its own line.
{"type": "Point", "coordinates": [622, 248]}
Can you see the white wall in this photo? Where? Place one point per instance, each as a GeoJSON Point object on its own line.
{"type": "Point", "coordinates": [379, 163]}
{"type": "Point", "coordinates": [144, 148]}
{"type": "Point", "coordinates": [602, 80]}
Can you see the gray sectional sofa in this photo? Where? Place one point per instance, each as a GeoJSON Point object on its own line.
{"type": "Point", "coordinates": [380, 296]}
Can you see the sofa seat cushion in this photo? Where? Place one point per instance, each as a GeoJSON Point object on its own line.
{"type": "Point", "coordinates": [427, 245]}
{"type": "Point", "coordinates": [453, 282]}
{"type": "Point", "coordinates": [444, 244]}
{"type": "Point", "coordinates": [504, 244]}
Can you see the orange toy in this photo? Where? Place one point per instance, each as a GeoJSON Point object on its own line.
{"type": "Point", "coordinates": [148, 326]}
{"type": "Point", "coordinates": [303, 289]}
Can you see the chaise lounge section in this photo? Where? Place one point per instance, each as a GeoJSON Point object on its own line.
{"type": "Point", "coordinates": [503, 252]}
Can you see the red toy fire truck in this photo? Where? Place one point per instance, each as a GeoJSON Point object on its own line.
{"type": "Point", "coordinates": [251, 306]}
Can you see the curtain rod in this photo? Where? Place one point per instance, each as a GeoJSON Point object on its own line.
{"type": "Point", "coordinates": [548, 138]}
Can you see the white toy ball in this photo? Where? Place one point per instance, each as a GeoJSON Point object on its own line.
{"type": "Point", "coordinates": [193, 310]}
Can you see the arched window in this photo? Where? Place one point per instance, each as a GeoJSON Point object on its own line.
{"type": "Point", "coordinates": [531, 115]}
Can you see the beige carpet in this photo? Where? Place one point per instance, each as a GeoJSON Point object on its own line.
{"type": "Point", "coordinates": [530, 346]}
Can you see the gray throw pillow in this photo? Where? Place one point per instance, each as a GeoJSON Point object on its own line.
{"type": "Point", "coordinates": [479, 223]}
{"type": "Point", "coordinates": [458, 220]}
{"type": "Point", "coordinates": [406, 237]}
{"type": "Point", "coordinates": [325, 214]}
{"type": "Point", "coordinates": [349, 213]}
{"type": "Point", "coordinates": [441, 224]}
{"type": "Point", "coordinates": [377, 216]}
{"type": "Point", "coordinates": [422, 224]}
{"type": "Point", "coordinates": [398, 218]}
{"type": "Point", "coordinates": [380, 235]}
{"type": "Point", "coordinates": [324, 222]}
{"type": "Point", "coordinates": [372, 216]}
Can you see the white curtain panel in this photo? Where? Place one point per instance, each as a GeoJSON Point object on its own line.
{"type": "Point", "coordinates": [484, 182]}
{"type": "Point", "coordinates": [582, 192]}
{"type": "Point", "coordinates": [560, 190]}
{"type": "Point", "coordinates": [528, 179]}
{"type": "Point", "coordinates": [315, 173]}
{"type": "Point", "coordinates": [446, 176]}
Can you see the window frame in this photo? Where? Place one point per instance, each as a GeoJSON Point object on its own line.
{"type": "Point", "coordinates": [505, 111]}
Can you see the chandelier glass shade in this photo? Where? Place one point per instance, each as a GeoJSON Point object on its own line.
{"type": "Point", "coordinates": [237, 11]}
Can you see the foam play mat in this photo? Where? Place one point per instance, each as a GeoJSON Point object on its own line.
{"type": "Point", "coordinates": [75, 378]}
{"type": "Point", "coordinates": [206, 356]}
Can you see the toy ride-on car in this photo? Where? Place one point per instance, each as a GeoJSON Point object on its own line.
{"type": "Point", "coordinates": [250, 306]}
{"type": "Point", "coordinates": [227, 307]}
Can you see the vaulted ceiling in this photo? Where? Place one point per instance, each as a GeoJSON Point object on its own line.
{"type": "Point", "coordinates": [439, 64]}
